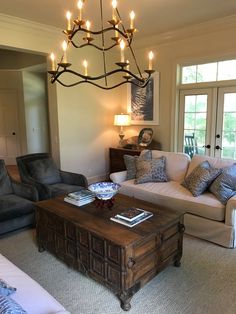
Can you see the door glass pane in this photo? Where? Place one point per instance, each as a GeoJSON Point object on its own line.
{"type": "Point", "coordinates": [229, 126]}
{"type": "Point", "coordinates": [195, 115]}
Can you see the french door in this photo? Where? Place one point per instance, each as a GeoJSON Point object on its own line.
{"type": "Point", "coordinates": [208, 117]}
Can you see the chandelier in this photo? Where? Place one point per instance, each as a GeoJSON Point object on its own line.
{"type": "Point", "coordinates": [79, 34]}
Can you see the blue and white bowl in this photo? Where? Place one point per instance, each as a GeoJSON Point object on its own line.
{"type": "Point", "coordinates": [104, 190]}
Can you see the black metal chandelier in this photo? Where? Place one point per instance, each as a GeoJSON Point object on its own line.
{"type": "Point", "coordinates": [79, 35]}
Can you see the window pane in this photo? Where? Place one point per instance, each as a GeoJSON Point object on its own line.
{"type": "Point", "coordinates": [230, 102]}
{"type": "Point", "coordinates": [189, 119]}
{"type": "Point", "coordinates": [227, 70]}
{"type": "Point", "coordinates": [229, 123]}
{"type": "Point", "coordinates": [190, 103]}
{"type": "Point", "coordinates": [206, 72]}
{"type": "Point", "coordinates": [201, 103]}
{"type": "Point", "coordinates": [189, 74]}
{"type": "Point", "coordinates": [200, 123]}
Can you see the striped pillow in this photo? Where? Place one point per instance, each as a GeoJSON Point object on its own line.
{"type": "Point", "coordinates": [9, 306]}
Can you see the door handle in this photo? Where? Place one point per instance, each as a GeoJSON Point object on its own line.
{"type": "Point", "coordinates": [218, 147]}
{"type": "Point", "coordinates": [208, 146]}
{"type": "Point", "coordinates": [13, 133]}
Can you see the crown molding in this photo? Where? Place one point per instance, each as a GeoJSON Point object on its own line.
{"type": "Point", "coordinates": [188, 31]}
{"type": "Point", "coordinates": [13, 23]}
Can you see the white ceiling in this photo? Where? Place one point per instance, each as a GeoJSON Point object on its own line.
{"type": "Point", "coordinates": [152, 16]}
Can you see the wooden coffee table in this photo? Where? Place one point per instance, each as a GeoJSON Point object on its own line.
{"type": "Point", "coordinates": [121, 258]}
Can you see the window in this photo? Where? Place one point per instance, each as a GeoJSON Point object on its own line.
{"type": "Point", "coordinates": [209, 72]}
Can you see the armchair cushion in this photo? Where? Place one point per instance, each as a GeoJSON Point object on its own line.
{"type": "Point", "coordinates": [12, 206]}
{"type": "Point", "coordinates": [5, 182]}
{"type": "Point", "coordinates": [44, 171]}
{"type": "Point", "coordinates": [62, 189]}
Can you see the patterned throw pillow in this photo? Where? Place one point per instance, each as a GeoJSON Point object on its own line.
{"type": "Point", "coordinates": [9, 306]}
{"type": "Point", "coordinates": [200, 178]}
{"type": "Point", "coordinates": [130, 163]}
{"type": "Point", "coordinates": [151, 170]}
{"type": "Point", "coordinates": [5, 288]}
{"type": "Point", "coordinates": [224, 186]}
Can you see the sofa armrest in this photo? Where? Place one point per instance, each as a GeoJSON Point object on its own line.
{"type": "Point", "coordinates": [118, 177]}
{"type": "Point", "coordinates": [25, 190]}
{"type": "Point", "coordinates": [74, 178]}
{"type": "Point", "coordinates": [230, 212]}
{"type": "Point", "coordinates": [43, 190]}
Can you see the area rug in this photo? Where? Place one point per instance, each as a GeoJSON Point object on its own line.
{"type": "Point", "coordinates": [204, 284]}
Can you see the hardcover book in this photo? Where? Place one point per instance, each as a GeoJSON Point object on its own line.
{"type": "Point", "coordinates": [131, 214]}
{"type": "Point", "coordinates": [78, 202]}
{"type": "Point", "coordinates": [134, 222]}
{"type": "Point", "coordinates": [82, 194]}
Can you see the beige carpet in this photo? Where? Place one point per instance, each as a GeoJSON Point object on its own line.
{"type": "Point", "coordinates": [204, 284]}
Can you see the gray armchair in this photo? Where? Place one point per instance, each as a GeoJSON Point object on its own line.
{"type": "Point", "coordinates": [40, 170]}
{"type": "Point", "coordinates": [16, 202]}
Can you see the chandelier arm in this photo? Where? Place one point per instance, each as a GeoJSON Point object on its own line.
{"type": "Point", "coordinates": [100, 86]}
{"type": "Point", "coordinates": [93, 78]}
{"type": "Point", "coordinates": [93, 45]}
{"type": "Point", "coordinates": [103, 30]}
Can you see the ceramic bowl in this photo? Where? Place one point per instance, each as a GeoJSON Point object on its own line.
{"type": "Point", "coordinates": [104, 190]}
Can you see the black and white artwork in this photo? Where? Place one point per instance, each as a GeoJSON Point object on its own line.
{"type": "Point", "coordinates": [143, 103]}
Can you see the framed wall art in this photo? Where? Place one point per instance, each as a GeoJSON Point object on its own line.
{"type": "Point", "coordinates": [143, 103]}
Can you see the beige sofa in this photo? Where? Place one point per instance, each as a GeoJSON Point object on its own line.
{"type": "Point", "coordinates": [205, 216]}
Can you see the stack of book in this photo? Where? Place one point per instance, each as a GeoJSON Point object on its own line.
{"type": "Point", "coordinates": [132, 216]}
{"type": "Point", "coordinates": [80, 198]}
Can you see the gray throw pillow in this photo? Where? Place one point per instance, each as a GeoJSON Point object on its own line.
{"type": "Point", "coordinates": [200, 178]}
{"type": "Point", "coordinates": [224, 186]}
{"type": "Point", "coordinates": [151, 170]}
{"type": "Point", "coordinates": [9, 306]}
{"type": "Point", "coordinates": [5, 288]}
{"type": "Point", "coordinates": [130, 163]}
{"type": "Point", "coordinates": [45, 171]}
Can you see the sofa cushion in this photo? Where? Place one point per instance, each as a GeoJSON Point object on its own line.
{"type": "Point", "coordinates": [176, 164]}
{"type": "Point", "coordinates": [9, 306]}
{"type": "Point", "coordinates": [151, 170]}
{"type": "Point", "coordinates": [5, 288]}
{"type": "Point", "coordinates": [224, 186]}
{"type": "Point", "coordinates": [200, 178]}
{"type": "Point", "coordinates": [130, 163]}
{"type": "Point", "coordinates": [12, 206]}
{"type": "Point", "coordinates": [173, 195]}
{"type": "Point", "coordinates": [213, 161]}
{"type": "Point", "coordinates": [44, 171]}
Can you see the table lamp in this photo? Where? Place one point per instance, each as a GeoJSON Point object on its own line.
{"type": "Point", "coordinates": [122, 120]}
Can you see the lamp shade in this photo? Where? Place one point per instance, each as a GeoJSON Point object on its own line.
{"type": "Point", "coordinates": [122, 119]}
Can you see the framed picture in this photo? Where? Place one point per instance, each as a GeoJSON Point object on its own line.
{"type": "Point", "coordinates": [143, 103]}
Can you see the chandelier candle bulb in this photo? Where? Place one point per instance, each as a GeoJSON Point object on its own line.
{"type": "Point", "coordinates": [68, 16]}
{"type": "Point", "coordinates": [88, 25]}
{"type": "Point", "coordinates": [85, 64]}
{"type": "Point", "coordinates": [132, 16]}
{"type": "Point", "coordinates": [122, 51]}
{"type": "Point", "coordinates": [150, 57]}
{"type": "Point", "coordinates": [64, 48]}
{"type": "Point", "coordinates": [52, 56]}
{"type": "Point", "coordinates": [114, 6]}
{"type": "Point", "coordinates": [80, 6]}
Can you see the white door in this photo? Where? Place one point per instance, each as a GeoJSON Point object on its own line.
{"type": "Point", "coordinates": [9, 126]}
{"type": "Point", "coordinates": [208, 118]}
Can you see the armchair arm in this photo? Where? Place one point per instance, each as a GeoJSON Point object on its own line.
{"type": "Point", "coordinates": [25, 190]}
{"type": "Point", "coordinates": [230, 212]}
{"type": "Point", "coordinates": [43, 191]}
{"type": "Point", "coordinates": [74, 178]}
{"type": "Point", "coordinates": [118, 177]}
